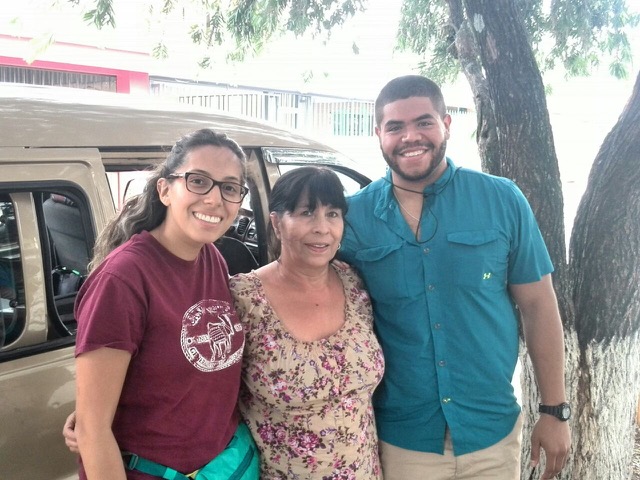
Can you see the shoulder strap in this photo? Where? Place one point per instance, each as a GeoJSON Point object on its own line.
{"type": "Point", "coordinates": [134, 462]}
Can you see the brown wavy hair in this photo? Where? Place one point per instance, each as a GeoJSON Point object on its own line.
{"type": "Point", "coordinates": [146, 211]}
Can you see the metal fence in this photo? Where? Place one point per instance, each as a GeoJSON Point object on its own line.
{"type": "Point", "coordinates": [39, 76]}
{"type": "Point", "coordinates": [320, 115]}
{"type": "Point", "coordinates": [311, 113]}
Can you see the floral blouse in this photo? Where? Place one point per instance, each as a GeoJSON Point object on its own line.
{"type": "Point", "coordinates": [308, 404]}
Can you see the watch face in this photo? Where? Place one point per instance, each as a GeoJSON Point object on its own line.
{"type": "Point", "coordinates": [566, 412]}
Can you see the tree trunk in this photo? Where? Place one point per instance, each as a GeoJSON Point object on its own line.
{"type": "Point", "coordinates": [606, 267]}
{"type": "Point", "coordinates": [523, 129]}
{"type": "Point", "coordinates": [467, 52]}
{"type": "Point", "coordinates": [527, 156]}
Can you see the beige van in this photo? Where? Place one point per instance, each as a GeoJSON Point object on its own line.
{"type": "Point", "coordinates": [67, 159]}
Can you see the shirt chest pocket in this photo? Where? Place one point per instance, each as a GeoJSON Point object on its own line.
{"type": "Point", "coordinates": [477, 259]}
{"type": "Point", "coordinates": [390, 273]}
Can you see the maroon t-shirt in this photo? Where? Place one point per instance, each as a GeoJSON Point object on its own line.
{"type": "Point", "coordinates": [176, 318]}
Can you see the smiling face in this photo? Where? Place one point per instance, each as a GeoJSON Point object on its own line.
{"type": "Point", "coordinates": [413, 140]}
{"type": "Point", "coordinates": [193, 220]}
{"type": "Point", "coordinates": [309, 237]}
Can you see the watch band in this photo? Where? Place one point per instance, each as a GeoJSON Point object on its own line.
{"type": "Point", "coordinates": [562, 412]}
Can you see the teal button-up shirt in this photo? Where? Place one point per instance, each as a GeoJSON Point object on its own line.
{"type": "Point", "coordinates": [443, 314]}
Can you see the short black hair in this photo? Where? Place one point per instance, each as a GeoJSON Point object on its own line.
{"type": "Point", "coordinates": [320, 185]}
{"type": "Point", "coordinates": [409, 86]}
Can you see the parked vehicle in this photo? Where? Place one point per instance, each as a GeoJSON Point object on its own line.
{"type": "Point", "coordinates": [67, 159]}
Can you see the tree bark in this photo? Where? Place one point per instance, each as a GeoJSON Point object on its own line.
{"type": "Point", "coordinates": [606, 267]}
{"type": "Point", "coordinates": [466, 50]}
{"type": "Point", "coordinates": [527, 155]}
{"type": "Point", "coordinates": [523, 130]}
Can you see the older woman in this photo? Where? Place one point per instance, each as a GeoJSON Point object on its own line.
{"type": "Point", "coordinates": [311, 358]}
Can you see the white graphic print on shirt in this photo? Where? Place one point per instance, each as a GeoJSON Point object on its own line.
{"type": "Point", "coordinates": [207, 336]}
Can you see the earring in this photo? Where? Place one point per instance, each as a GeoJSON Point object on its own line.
{"type": "Point", "coordinates": [339, 245]}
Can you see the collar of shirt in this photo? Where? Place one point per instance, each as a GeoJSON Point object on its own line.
{"type": "Point", "coordinates": [388, 196]}
{"type": "Point", "coordinates": [387, 200]}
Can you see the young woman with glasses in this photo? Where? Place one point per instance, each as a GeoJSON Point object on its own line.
{"type": "Point", "coordinates": [159, 345]}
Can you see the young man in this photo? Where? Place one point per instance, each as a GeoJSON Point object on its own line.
{"type": "Point", "coordinates": [445, 253]}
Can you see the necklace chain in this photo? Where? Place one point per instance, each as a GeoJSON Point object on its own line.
{"type": "Point", "coordinates": [407, 211]}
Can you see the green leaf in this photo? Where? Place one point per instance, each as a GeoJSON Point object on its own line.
{"type": "Point", "coordinates": [160, 51]}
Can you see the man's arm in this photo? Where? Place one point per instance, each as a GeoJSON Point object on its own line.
{"type": "Point", "coordinates": [545, 342]}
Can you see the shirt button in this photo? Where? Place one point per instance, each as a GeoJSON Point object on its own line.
{"type": "Point", "coordinates": [426, 250]}
{"type": "Point", "coordinates": [437, 326]}
{"type": "Point", "coordinates": [431, 288]}
{"type": "Point", "coordinates": [442, 363]}
{"type": "Point", "coordinates": [446, 400]}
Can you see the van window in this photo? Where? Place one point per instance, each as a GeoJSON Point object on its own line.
{"type": "Point", "coordinates": [67, 237]}
{"type": "Point", "coordinates": [126, 184]}
{"type": "Point", "coordinates": [46, 239]}
{"type": "Point", "coordinates": [11, 278]}
{"type": "Point", "coordinates": [69, 245]}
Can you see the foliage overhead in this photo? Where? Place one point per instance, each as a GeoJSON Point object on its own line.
{"type": "Point", "coordinates": [582, 29]}
{"type": "Point", "coordinates": [575, 34]}
{"type": "Point", "coordinates": [250, 24]}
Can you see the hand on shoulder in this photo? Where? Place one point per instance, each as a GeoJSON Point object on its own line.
{"type": "Point", "coordinates": [340, 264]}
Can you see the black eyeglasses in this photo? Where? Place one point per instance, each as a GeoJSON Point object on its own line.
{"type": "Point", "coordinates": [201, 185]}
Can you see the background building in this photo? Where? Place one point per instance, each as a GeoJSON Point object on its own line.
{"type": "Point", "coordinates": [345, 123]}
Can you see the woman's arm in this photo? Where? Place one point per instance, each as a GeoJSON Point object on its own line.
{"type": "Point", "coordinates": [100, 376]}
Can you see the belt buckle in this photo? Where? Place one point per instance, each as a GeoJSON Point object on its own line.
{"type": "Point", "coordinates": [130, 460]}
